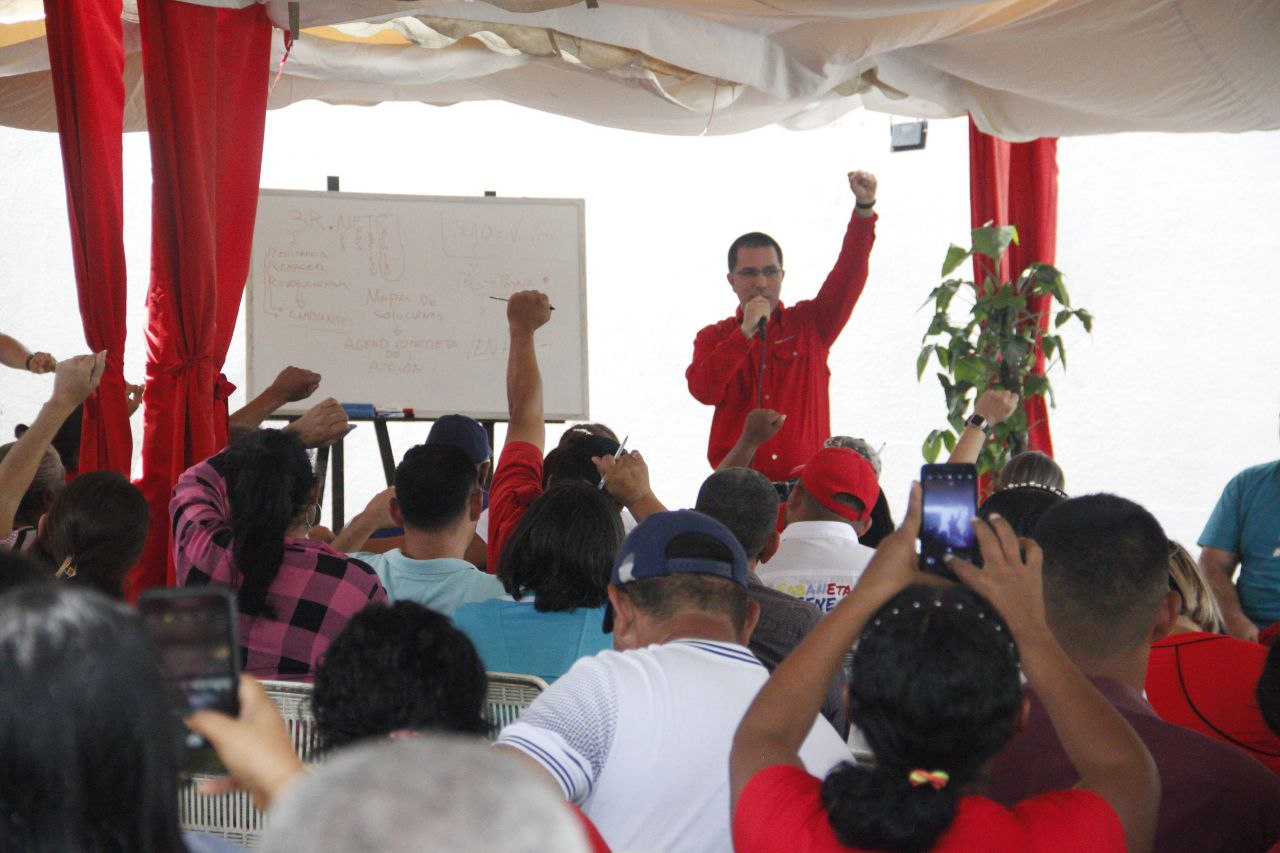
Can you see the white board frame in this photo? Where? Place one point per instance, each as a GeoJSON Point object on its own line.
{"type": "Point", "coordinates": [256, 384]}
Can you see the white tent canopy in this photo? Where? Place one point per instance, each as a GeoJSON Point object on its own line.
{"type": "Point", "coordinates": [1022, 68]}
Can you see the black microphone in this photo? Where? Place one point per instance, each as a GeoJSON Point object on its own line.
{"type": "Point", "coordinates": [760, 328]}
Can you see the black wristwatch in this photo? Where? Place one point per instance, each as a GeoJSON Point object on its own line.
{"type": "Point", "coordinates": [979, 422]}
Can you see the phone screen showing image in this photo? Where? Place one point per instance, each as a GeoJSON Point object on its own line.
{"type": "Point", "coordinates": [194, 633]}
{"type": "Point", "coordinates": [949, 500]}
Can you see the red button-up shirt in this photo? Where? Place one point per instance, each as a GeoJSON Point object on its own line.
{"type": "Point", "coordinates": [796, 377]}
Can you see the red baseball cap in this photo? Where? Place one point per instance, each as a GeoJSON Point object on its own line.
{"type": "Point", "coordinates": [837, 470]}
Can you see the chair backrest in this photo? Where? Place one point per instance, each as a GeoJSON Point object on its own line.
{"type": "Point", "coordinates": [233, 816]}
{"type": "Point", "coordinates": [508, 695]}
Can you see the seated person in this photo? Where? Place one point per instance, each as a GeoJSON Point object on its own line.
{"type": "Point", "coordinates": [443, 794]}
{"type": "Point", "coordinates": [436, 499]}
{"type": "Point", "coordinates": [555, 567]}
{"type": "Point", "coordinates": [639, 737]}
{"type": "Point", "coordinates": [49, 479]}
{"type": "Point", "coordinates": [240, 518]}
{"type": "Point", "coordinates": [935, 687]}
{"type": "Point", "coordinates": [1107, 598]}
{"type": "Point", "coordinates": [94, 532]}
{"type": "Point", "coordinates": [28, 474]}
{"type": "Point", "coordinates": [1031, 467]}
{"type": "Point", "coordinates": [820, 558]}
{"type": "Point", "coordinates": [744, 501]}
{"type": "Point", "coordinates": [519, 477]}
{"type": "Point", "coordinates": [398, 668]}
{"type": "Point", "coordinates": [1204, 680]}
{"type": "Point", "coordinates": [90, 746]}
{"type": "Point", "coordinates": [1268, 690]}
{"type": "Point", "coordinates": [1021, 506]}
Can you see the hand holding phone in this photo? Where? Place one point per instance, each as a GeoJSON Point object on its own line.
{"type": "Point", "coordinates": [194, 632]}
{"type": "Point", "coordinates": [949, 502]}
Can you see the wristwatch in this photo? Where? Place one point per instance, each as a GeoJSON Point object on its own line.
{"type": "Point", "coordinates": [979, 422]}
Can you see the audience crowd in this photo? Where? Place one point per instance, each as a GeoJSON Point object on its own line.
{"type": "Point", "coordinates": [766, 671]}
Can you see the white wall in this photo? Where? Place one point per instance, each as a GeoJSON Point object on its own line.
{"type": "Point", "coordinates": [1167, 239]}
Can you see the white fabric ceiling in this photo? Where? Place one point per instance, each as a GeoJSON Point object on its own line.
{"type": "Point", "coordinates": [1022, 68]}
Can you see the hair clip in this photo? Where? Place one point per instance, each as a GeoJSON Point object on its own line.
{"type": "Point", "coordinates": [937, 779]}
{"type": "Point", "coordinates": [66, 570]}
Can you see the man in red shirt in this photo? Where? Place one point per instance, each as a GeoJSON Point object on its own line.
{"type": "Point", "coordinates": [727, 370]}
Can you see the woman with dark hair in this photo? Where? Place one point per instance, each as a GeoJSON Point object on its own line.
{"type": "Point", "coordinates": [935, 689]}
{"type": "Point", "coordinates": [240, 518]}
{"type": "Point", "coordinates": [1021, 505]}
{"type": "Point", "coordinates": [90, 747]}
{"type": "Point", "coordinates": [1032, 468]}
{"type": "Point", "coordinates": [94, 531]}
{"type": "Point", "coordinates": [555, 568]}
{"type": "Point", "coordinates": [395, 669]}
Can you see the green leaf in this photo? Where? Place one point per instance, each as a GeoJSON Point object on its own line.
{"type": "Point", "coordinates": [946, 292]}
{"type": "Point", "coordinates": [993, 242]}
{"type": "Point", "coordinates": [932, 446]}
{"type": "Point", "coordinates": [971, 369]}
{"type": "Point", "coordinates": [1063, 316]}
{"type": "Point", "coordinates": [1034, 385]}
{"type": "Point", "coordinates": [1048, 344]}
{"type": "Point", "coordinates": [923, 360]}
{"type": "Point", "coordinates": [955, 257]}
{"type": "Point", "coordinates": [1086, 319]}
{"type": "Point", "coordinates": [1060, 292]}
{"type": "Point", "coordinates": [1015, 351]}
{"type": "Point", "coordinates": [949, 439]}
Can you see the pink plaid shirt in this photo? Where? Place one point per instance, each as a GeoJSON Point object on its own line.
{"type": "Point", "coordinates": [313, 595]}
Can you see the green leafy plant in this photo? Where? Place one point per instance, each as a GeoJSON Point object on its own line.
{"type": "Point", "coordinates": [994, 346]}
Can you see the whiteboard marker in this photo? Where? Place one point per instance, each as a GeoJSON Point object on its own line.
{"type": "Point", "coordinates": [505, 299]}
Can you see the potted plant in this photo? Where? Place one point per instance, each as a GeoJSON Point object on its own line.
{"type": "Point", "coordinates": [995, 344]}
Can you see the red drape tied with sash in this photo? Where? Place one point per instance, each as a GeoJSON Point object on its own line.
{"type": "Point", "coordinates": [86, 56]}
{"type": "Point", "coordinates": [1017, 183]}
{"type": "Point", "coordinates": [206, 73]}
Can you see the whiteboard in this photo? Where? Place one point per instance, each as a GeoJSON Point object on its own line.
{"type": "Point", "coordinates": [388, 298]}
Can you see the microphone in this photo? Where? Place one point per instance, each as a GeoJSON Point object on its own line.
{"type": "Point", "coordinates": [760, 328]}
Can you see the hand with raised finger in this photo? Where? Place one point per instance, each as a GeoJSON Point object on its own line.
{"type": "Point", "coordinates": [1011, 578]}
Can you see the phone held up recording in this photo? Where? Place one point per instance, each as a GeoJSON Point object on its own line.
{"type": "Point", "coordinates": [949, 500]}
{"type": "Point", "coordinates": [194, 633]}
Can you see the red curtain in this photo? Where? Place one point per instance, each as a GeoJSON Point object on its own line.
{"type": "Point", "coordinates": [1017, 183]}
{"type": "Point", "coordinates": [86, 55]}
{"type": "Point", "coordinates": [206, 73]}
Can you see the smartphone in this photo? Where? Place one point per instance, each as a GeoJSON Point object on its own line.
{"type": "Point", "coordinates": [194, 632]}
{"type": "Point", "coordinates": [949, 499]}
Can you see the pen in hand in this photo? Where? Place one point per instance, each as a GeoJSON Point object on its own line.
{"type": "Point", "coordinates": [621, 448]}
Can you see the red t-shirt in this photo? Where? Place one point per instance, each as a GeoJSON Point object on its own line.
{"type": "Point", "coordinates": [517, 483]}
{"type": "Point", "coordinates": [781, 809]}
{"type": "Point", "coordinates": [1206, 682]}
{"type": "Point", "coordinates": [725, 366]}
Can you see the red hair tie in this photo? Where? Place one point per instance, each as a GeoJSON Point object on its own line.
{"type": "Point", "coordinates": [937, 778]}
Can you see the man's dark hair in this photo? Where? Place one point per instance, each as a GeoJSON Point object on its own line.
{"type": "Point", "coordinates": [434, 483]}
{"type": "Point", "coordinates": [1268, 690]}
{"type": "Point", "coordinates": [397, 667]}
{"type": "Point", "coordinates": [562, 549]}
{"type": "Point", "coordinates": [572, 459]}
{"type": "Point", "coordinates": [668, 596]}
{"type": "Point", "coordinates": [1106, 569]}
{"type": "Point", "coordinates": [752, 240]}
{"type": "Point", "coordinates": [744, 501]}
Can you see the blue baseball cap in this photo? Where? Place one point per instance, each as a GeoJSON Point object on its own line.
{"type": "Point", "coordinates": [463, 432]}
{"type": "Point", "coordinates": [643, 554]}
